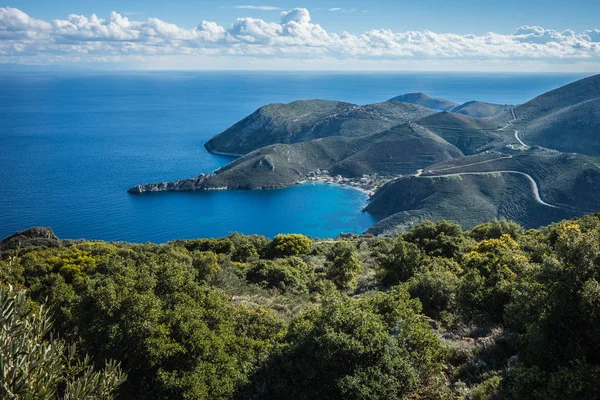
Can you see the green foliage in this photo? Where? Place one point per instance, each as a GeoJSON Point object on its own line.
{"type": "Point", "coordinates": [285, 275]}
{"type": "Point", "coordinates": [495, 229]}
{"type": "Point", "coordinates": [377, 348]}
{"type": "Point", "coordinates": [206, 263]}
{"type": "Point", "coordinates": [34, 365]}
{"type": "Point", "coordinates": [493, 268]}
{"type": "Point", "coordinates": [486, 390]}
{"type": "Point", "coordinates": [290, 245]}
{"type": "Point", "coordinates": [441, 238]}
{"type": "Point", "coordinates": [245, 317]}
{"type": "Point", "coordinates": [436, 286]}
{"type": "Point", "coordinates": [342, 265]}
{"type": "Point", "coordinates": [402, 262]}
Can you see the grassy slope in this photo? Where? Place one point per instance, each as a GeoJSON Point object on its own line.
{"type": "Point", "coordinates": [566, 119]}
{"type": "Point", "coordinates": [480, 109]}
{"type": "Point", "coordinates": [469, 134]}
{"type": "Point", "coordinates": [468, 200]}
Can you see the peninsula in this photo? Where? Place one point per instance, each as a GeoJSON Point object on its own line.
{"type": "Point", "coordinates": [535, 163]}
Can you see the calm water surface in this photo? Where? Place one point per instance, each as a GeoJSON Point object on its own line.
{"type": "Point", "coordinates": [71, 145]}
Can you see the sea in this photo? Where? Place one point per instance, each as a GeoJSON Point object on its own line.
{"type": "Point", "coordinates": [73, 142]}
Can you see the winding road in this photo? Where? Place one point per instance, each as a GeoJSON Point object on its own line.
{"type": "Point", "coordinates": [534, 186]}
{"type": "Point", "coordinates": [517, 138]}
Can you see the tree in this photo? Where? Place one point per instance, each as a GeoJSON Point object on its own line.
{"type": "Point", "coordinates": [375, 348]}
{"type": "Point", "coordinates": [402, 262]}
{"type": "Point", "coordinates": [440, 238]}
{"type": "Point", "coordinates": [35, 365]}
{"type": "Point", "coordinates": [343, 265]}
{"type": "Point", "coordinates": [290, 245]}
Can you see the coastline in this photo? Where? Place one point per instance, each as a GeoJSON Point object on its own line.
{"type": "Point", "coordinates": [329, 181]}
{"type": "Point", "coordinates": [220, 153]}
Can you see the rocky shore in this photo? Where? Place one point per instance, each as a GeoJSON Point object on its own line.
{"type": "Point", "coordinates": [184, 185]}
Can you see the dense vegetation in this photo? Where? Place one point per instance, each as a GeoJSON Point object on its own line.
{"type": "Point", "coordinates": [434, 313]}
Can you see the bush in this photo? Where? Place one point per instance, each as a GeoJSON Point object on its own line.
{"type": "Point", "coordinates": [441, 238]}
{"type": "Point", "coordinates": [283, 275]}
{"type": "Point", "coordinates": [495, 229]}
{"type": "Point", "coordinates": [436, 286]}
{"type": "Point", "coordinates": [342, 265]}
{"type": "Point", "coordinates": [290, 245]}
{"type": "Point", "coordinates": [402, 262]}
{"type": "Point", "coordinates": [376, 348]}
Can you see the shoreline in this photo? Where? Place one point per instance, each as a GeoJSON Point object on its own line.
{"type": "Point", "coordinates": [368, 192]}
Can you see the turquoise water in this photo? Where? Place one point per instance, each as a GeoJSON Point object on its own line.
{"type": "Point", "coordinates": [72, 143]}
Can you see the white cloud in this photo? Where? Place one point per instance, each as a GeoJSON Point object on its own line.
{"type": "Point", "coordinates": [294, 38]}
{"type": "Point", "coordinates": [335, 9]}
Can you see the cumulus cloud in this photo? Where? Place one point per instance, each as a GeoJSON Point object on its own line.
{"type": "Point", "coordinates": [294, 36]}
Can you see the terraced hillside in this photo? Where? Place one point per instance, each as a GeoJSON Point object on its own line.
{"type": "Point", "coordinates": [480, 162]}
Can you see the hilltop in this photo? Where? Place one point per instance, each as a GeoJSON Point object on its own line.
{"type": "Point", "coordinates": [426, 101]}
{"type": "Point", "coordinates": [302, 121]}
{"type": "Point", "coordinates": [480, 109]}
{"type": "Point", "coordinates": [534, 163]}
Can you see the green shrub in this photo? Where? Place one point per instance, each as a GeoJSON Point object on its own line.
{"type": "Point", "coordinates": [342, 265]}
{"type": "Point", "coordinates": [290, 245]}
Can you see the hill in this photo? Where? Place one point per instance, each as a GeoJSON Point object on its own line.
{"type": "Point", "coordinates": [305, 120]}
{"type": "Point", "coordinates": [426, 101]}
{"type": "Point", "coordinates": [399, 150]}
{"type": "Point", "coordinates": [480, 109]}
{"type": "Point", "coordinates": [533, 188]}
{"type": "Point", "coordinates": [565, 119]}
{"type": "Point", "coordinates": [471, 135]}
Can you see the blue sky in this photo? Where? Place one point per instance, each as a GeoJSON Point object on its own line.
{"type": "Point", "coordinates": [450, 35]}
{"type": "Point", "coordinates": [457, 16]}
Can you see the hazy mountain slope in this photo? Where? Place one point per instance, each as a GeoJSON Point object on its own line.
{"type": "Point", "coordinates": [470, 135]}
{"type": "Point", "coordinates": [480, 109]}
{"type": "Point", "coordinates": [565, 119]}
{"type": "Point", "coordinates": [468, 200]}
{"type": "Point", "coordinates": [426, 101]}
{"type": "Point", "coordinates": [305, 120]}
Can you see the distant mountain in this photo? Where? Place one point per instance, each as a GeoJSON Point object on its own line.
{"type": "Point", "coordinates": [565, 119]}
{"type": "Point", "coordinates": [480, 109]}
{"type": "Point", "coordinates": [305, 120]}
{"type": "Point", "coordinates": [426, 101]}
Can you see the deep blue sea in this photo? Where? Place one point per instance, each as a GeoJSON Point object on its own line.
{"type": "Point", "coordinates": [72, 143]}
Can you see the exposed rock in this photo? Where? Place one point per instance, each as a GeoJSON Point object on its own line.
{"type": "Point", "coordinates": [36, 236]}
